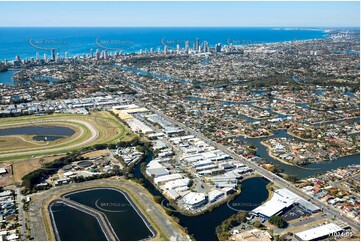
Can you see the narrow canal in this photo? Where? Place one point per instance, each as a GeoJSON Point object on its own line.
{"type": "Point", "coordinates": [254, 193]}
{"type": "Point", "coordinates": [300, 172]}
{"type": "Point", "coordinates": [306, 170]}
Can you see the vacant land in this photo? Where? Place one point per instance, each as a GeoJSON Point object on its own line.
{"type": "Point", "coordinates": [23, 167]}
{"type": "Point", "coordinates": [97, 153]}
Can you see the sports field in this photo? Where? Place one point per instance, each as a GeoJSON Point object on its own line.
{"type": "Point", "coordinates": [96, 128]}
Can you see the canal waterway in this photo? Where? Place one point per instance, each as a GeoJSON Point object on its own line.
{"type": "Point", "coordinates": [300, 172]}
{"type": "Point", "coordinates": [306, 170]}
{"type": "Point", "coordinates": [6, 77]}
{"type": "Point", "coordinates": [254, 193]}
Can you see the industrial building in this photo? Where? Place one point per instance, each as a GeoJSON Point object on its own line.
{"type": "Point", "coordinates": [163, 179]}
{"type": "Point", "coordinates": [280, 201]}
{"type": "Point", "coordinates": [155, 169]}
{"type": "Point", "coordinates": [214, 195]}
{"type": "Point", "coordinates": [194, 200]}
{"type": "Point", "coordinates": [318, 233]}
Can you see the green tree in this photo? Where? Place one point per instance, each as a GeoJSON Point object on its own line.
{"type": "Point", "coordinates": [291, 178]}
{"type": "Point", "coordinates": [157, 199]}
{"type": "Point", "coordinates": [278, 221]}
{"type": "Point", "coordinates": [257, 224]}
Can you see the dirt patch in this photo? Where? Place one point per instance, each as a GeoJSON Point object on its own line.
{"type": "Point", "coordinates": [97, 153]}
{"type": "Point", "coordinates": [23, 167]}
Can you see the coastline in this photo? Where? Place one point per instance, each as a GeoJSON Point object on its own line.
{"type": "Point", "coordinates": [74, 52]}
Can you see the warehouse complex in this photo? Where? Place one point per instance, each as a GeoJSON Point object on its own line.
{"type": "Point", "coordinates": [281, 200]}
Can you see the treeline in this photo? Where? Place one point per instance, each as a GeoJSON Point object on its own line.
{"type": "Point", "coordinates": [33, 178]}
{"type": "Point", "coordinates": [223, 230]}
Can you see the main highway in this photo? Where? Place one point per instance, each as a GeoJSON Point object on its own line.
{"type": "Point", "coordinates": [278, 181]}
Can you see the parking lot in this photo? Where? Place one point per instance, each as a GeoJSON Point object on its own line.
{"type": "Point", "coordinates": [295, 212]}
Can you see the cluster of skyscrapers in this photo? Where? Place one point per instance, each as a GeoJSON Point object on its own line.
{"type": "Point", "coordinates": [197, 48]}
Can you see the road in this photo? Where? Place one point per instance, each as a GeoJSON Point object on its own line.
{"type": "Point", "coordinates": [280, 182]}
{"type": "Point", "coordinates": [22, 219]}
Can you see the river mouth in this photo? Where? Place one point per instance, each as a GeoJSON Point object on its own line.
{"type": "Point", "coordinates": [124, 218]}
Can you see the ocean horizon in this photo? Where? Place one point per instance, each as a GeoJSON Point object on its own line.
{"type": "Point", "coordinates": [28, 41]}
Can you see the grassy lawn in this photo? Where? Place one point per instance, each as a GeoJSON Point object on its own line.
{"type": "Point", "coordinates": [107, 128]}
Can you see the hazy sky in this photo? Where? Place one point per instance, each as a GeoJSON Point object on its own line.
{"type": "Point", "coordinates": [243, 14]}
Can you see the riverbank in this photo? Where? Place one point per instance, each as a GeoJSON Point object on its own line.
{"type": "Point", "coordinates": [298, 137]}
{"type": "Point", "coordinates": [200, 211]}
{"type": "Point", "coordinates": [251, 137]}
{"type": "Point", "coordinates": [276, 158]}
{"type": "Point", "coordinates": [292, 164]}
{"type": "Point", "coordinates": [336, 120]}
{"type": "Point", "coordinates": [270, 187]}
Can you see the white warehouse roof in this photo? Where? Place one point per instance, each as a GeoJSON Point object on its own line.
{"type": "Point", "coordinates": [281, 199]}
{"type": "Point", "coordinates": [194, 198]}
{"type": "Point", "coordinates": [214, 195]}
{"type": "Point", "coordinates": [166, 178]}
{"type": "Point", "coordinates": [176, 183]}
{"type": "Point", "coordinates": [319, 232]}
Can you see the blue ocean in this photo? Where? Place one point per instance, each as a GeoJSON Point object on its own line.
{"type": "Point", "coordinates": [26, 42]}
